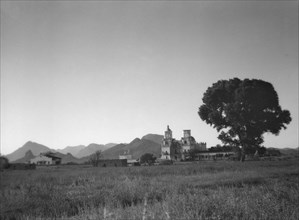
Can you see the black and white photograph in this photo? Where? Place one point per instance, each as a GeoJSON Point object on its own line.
{"type": "Point", "coordinates": [149, 109]}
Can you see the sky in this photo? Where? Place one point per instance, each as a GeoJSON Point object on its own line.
{"type": "Point", "coordinates": [81, 72]}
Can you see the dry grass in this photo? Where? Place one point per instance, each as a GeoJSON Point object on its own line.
{"type": "Point", "coordinates": [207, 190]}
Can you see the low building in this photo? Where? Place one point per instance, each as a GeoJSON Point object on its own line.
{"type": "Point", "coordinates": [133, 162]}
{"type": "Point", "coordinates": [214, 155]}
{"type": "Point", "coordinates": [126, 156]}
{"type": "Point", "coordinates": [41, 160]}
{"type": "Point", "coordinates": [55, 159]}
{"type": "Point", "coordinates": [130, 161]}
{"type": "Point", "coordinates": [46, 159]}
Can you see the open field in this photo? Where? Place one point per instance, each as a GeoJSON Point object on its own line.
{"type": "Point", "coordinates": [206, 190]}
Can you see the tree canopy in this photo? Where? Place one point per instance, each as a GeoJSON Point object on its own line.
{"type": "Point", "coordinates": [147, 158]}
{"type": "Point", "coordinates": [243, 110]}
{"type": "Point", "coordinates": [94, 159]}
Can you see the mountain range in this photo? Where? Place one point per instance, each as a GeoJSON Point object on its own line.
{"type": "Point", "coordinates": [65, 158]}
{"type": "Point", "coordinates": [149, 143]}
{"type": "Point", "coordinates": [91, 148]}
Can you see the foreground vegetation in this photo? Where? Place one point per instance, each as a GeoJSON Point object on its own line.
{"type": "Point", "coordinates": [205, 190]}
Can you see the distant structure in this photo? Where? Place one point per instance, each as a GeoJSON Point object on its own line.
{"type": "Point", "coordinates": [130, 161]}
{"type": "Point", "coordinates": [46, 159]}
{"type": "Point", "coordinates": [125, 155]}
{"type": "Point", "coordinates": [172, 149]}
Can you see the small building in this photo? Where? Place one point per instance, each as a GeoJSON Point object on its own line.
{"type": "Point", "coordinates": [46, 159]}
{"type": "Point", "coordinates": [55, 159]}
{"type": "Point", "coordinates": [129, 158]}
{"type": "Point", "coordinates": [41, 160]}
{"type": "Point", "coordinates": [126, 156]}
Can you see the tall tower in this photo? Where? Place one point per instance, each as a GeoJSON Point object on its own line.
{"type": "Point", "coordinates": [168, 133]}
{"type": "Point", "coordinates": [166, 144]}
{"type": "Point", "coordinates": [188, 142]}
{"type": "Point", "coordinates": [187, 133]}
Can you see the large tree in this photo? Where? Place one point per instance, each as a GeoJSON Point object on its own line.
{"type": "Point", "coordinates": [95, 158]}
{"type": "Point", "coordinates": [242, 111]}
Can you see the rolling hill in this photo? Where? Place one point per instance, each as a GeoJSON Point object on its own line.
{"type": "Point", "coordinates": [136, 148]}
{"type": "Point", "coordinates": [71, 149]}
{"type": "Point", "coordinates": [157, 138]}
{"type": "Point", "coordinates": [91, 148]}
{"type": "Point", "coordinates": [290, 151]}
{"type": "Point", "coordinates": [81, 151]}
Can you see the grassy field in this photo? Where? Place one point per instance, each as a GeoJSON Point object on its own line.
{"type": "Point", "coordinates": [205, 190]}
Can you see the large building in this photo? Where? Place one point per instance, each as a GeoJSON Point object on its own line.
{"type": "Point", "coordinates": [172, 149]}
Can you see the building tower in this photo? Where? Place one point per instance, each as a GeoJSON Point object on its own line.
{"type": "Point", "coordinates": [168, 133]}
{"type": "Point", "coordinates": [166, 144]}
{"type": "Point", "coordinates": [188, 142]}
{"type": "Point", "coordinates": [187, 133]}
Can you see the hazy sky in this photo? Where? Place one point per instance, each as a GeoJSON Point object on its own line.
{"type": "Point", "coordinates": [97, 72]}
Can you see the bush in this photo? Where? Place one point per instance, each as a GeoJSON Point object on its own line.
{"type": "Point", "coordinates": [4, 163]}
{"type": "Point", "coordinates": [147, 158]}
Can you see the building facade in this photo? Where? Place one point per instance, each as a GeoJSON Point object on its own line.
{"type": "Point", "coordinates": [41, 160]}
{"type": "Point", "coordinates": [172, 149]}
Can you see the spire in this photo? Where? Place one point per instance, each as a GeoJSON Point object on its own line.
{"type": "Point", "coordinates": [168, 132]}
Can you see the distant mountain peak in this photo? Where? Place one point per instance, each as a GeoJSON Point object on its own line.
{"type": "Point", "coordinates": [157, 138]}
{"type": "Point", "coordinates": [30, 142]}
{"type": "Point", "coordinates": [136, 140]}
{"type": "Point", "coordinates": [94, 144]}
{"type": "Point", "coordinates": [34, 147]}
{"type": "Point", "coordinates": [90, 149]}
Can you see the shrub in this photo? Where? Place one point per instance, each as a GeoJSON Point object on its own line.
{"type": "Point", "coordinates": [4, 163]}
